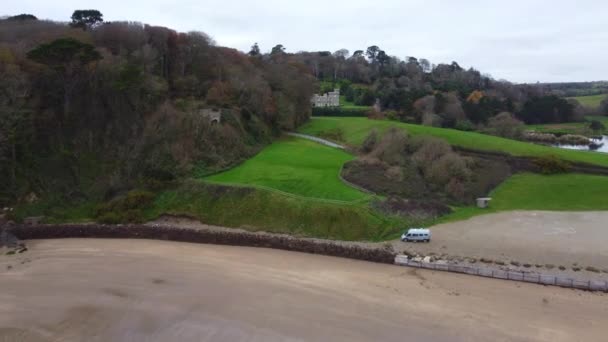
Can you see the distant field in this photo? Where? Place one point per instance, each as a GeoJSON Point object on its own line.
{"type": "Point", "coordinates": [592, 101]}
{"type": "Point", "coordinates": [356, 129]}
{"type": "Point", "coordinates": [569, 127]}
{"type": "Point", "coordinates": [295, 166]}
{"type": "Point", "coordinates": [350, 105]}
{"type": "Point", "coordinates": [527, 191]}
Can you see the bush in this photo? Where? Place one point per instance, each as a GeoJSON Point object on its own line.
{"type": "Point", "coordinates": [109, 218]}
{"type": "Point", "coordinates": [125, 209]}
{"type": "Point", "coordinates": [392, 147]}
{"type": "Point", "coordinates": [370, 142]}
{"type": "Point", "coordinates": [505, 125]}
{"type": "Point", "coordinates": [551, 165]}
{"type": "Point", "coordinates": [596, 125]}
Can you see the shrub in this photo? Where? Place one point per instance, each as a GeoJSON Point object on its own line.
{"type": "Point", "coordinates": [125, 209]}
{"type": "Point", "coordinates": [109, 218]}
{"type": "Point", "coordinates": [137, 199]}
{"type": "Point", "coordinates": [392, 147]}
{"type": "Point", "coordinates": [464, 125]}
{"type": "Point", "coordinates": [551, 164]}
{"type": "Point", "coordinates": [505, 125]}
{"type": "Point", "coordinates": [428, 150]}
{"type": "Point", "coordinates": [370, 142]}
{"type": "Point", "coordinates": [596, 125]}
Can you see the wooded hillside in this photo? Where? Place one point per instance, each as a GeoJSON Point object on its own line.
{"type": "Point", "coordinates": [92, 108]}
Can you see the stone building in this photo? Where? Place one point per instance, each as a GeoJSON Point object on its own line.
{"type": "Point", "coordinates": [331, 99]}
{"type": "Point", "coordinates": [214, 115]}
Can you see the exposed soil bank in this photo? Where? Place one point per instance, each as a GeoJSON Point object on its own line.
{"type": "Point", "coordinates": [111, 290]}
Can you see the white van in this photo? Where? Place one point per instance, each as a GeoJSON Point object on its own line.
{"type": "Point", "coordinates": [416, 234]}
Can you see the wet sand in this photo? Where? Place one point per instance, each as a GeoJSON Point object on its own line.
{"type": "Point", "coordinates": [117, 290]}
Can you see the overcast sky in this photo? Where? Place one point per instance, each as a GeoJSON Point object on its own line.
{"type": "Point", "coordinates": [517, 40]}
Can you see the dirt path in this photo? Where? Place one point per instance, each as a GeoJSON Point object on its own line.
{"type": "Point", "coordinates": [112, 290]}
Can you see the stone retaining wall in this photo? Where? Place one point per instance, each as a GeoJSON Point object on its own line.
{"type": "Point", "coordinates": [543, 279]}
{"type": "Point", "coordinates": [236, 238]}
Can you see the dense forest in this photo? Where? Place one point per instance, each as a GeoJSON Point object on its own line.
{"type": "Point", "coordinates": [89, 108]}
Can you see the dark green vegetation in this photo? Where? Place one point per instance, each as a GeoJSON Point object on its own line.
{"type": "Point", "coordinates": [91, 110]}
{"type": "Point", "coordinates": [354, 131]}
{"type": "Point", "coordinates": [295, 166]}
{"type": "Point", "coordinates": [255, 209]}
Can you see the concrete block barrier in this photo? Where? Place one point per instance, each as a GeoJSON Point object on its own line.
{"type": "Point", "coordinates": [500, 274]}
{"type": "Point", "coordinates": [581, 284]}
{"type": "Point", "coordinates": [428, 265]}
{"type": "Point", "coordinates": [517, 276]}
{"type": "Point", "coordinates": [457, 268]}
{"type": "Point", "coordinates": [547, 279]}
{"type": "Point", "coordinates": [598, 285]}
{"type": "Point", "coordinates": [543, 279]}
{"type": "Point", "coordinates": [442, 267]}
{"type": "Point", "coordinates": [531, 278]}
{"type": "Point", "coordinates": [564, 282]}
{"type": "Point", "coordinates": [472, 270]}
{"type": "Point", "coordinates": [484, 272]}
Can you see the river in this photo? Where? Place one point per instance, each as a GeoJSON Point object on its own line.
{"type": "Point", "coordinates": [600, 145]}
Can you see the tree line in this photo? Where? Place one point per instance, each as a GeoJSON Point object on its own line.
{"type": "Point", "coordinates": [446, 95]}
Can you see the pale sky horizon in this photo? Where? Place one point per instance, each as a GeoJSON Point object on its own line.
{"type": "Point", "coordinates": [522, 41]}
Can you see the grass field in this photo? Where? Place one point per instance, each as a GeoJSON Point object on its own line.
{"type": "Point", "coordinates": [528, 191]}
{"type": "Point", "coordinates": [570, 127]}
{"type": "Point", "coordinates": [592, 101]}
{"type": "Point", "coordinates": [295, 166]}
{"type": "Point", "coordinates": [356, 129]}
{"type": "Point", "coordinates": [350, 105]}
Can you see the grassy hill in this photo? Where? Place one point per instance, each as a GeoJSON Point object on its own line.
{"type": "Point", "coordinates": [356, 129]}
{"type": "Point", "coordinates": [295, 166]}
{"type": "Point", "coordinates": [527, 191]}
{"type": "Point", "coordinates": [263, 210]}
{"type": "Point", "coordinates": [592, 101]}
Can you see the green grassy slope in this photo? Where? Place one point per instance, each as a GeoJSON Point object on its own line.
{"type": "Point", "coordinates": [356, 129]}
{"type": "Point", "coordinates": [528, 191]}
{"type": "Point", "coordinates": [592, 101]}
{"type": "Point", "coordinates": [258, 209]}
{"type": "Point", "coordinates": [296, 166]}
